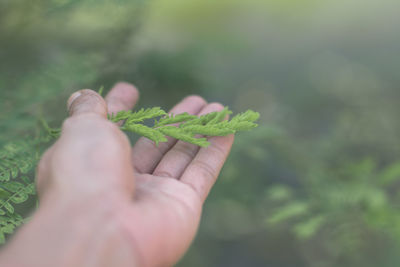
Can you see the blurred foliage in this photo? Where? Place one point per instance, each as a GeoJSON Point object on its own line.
{"type": "Point", "coordinates": [17, 162]}
{"type": "Point", "coordinates": [316, 184]}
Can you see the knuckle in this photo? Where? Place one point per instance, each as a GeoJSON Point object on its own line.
{"type": "Point", "coordinates": [219, 150]}
{"type": "Point", "coordinates": [206, 170]}
{"type": "Point", "coordinates": [87, 101]}
{"type": "Point", "coordinates": [186, 149]}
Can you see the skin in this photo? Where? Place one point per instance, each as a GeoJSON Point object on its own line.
{"type": "Point", "coordinates": [105, 203]}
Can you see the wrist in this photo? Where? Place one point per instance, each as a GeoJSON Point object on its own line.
{"type": "Point", "coordinates": [73, 232]}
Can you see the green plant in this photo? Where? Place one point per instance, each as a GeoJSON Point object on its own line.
{"type": "Point", "coordinates": [17, 160]}
{"type": "Point", "coordinates": [349, 205]}
{"type": "Point", "coordinates": [211, 124]}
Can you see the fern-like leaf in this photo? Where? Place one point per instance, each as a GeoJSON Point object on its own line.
{"type": "Point", "coordinates": [16, 158]}
{"type": "Point", "coordinates": [8, 223]}
{"type": "Point", "coordinates": [209, 118]}
{"type": "Point", "coordinates": [183, 135]}
{"type": "Point", "coordinates": [52, 132]}
{"type": "Point", "coordinates": [219, 129]}
{"type": "Point", "coordinates": [244, 121]}
{"type": "Point", "coordinates": [152, 134]}
{"type": "Point", "coordinates": [138, 116]}
{"type": "Point", "coordinates": [211, 124]}
{"type": "Point", "coordinates": [172, 119]}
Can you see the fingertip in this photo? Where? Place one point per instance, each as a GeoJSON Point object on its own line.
{"type": "Point", "coordinates": [127, 89]}
{"type": "Point", "coordinates": [215, 106]}
{"type": "Point", "coordinates": [195, 98]}
{"type": "Point", "coordinates": [123, 96]}
{"type": "Point", "coordinates": [211, 107]}
{"type": "Point", "coordinates": [86, 101]}
{"type": "Point", "coordinates": [72, 98]}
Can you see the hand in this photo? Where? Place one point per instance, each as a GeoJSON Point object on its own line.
{"type": "Point", "coordinates": [103, 203]}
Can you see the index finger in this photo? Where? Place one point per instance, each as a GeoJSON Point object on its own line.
{"type": "Point", "coordinates": [123, 96]}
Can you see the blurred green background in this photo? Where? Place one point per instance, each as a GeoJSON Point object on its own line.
{"type": "Point", "coordinates": [316, 184]}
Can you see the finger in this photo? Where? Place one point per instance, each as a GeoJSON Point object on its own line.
{"type": "Point", "coordinates": [182, 153]}
{"type": "Point", "coordinates": [146, 155]}
{"type": "Point", "coordinates": [123, 96]}
{"type": "Point", "coordinates": [205, 167]}
{"type": "Point", "coordinates": [86, 101]}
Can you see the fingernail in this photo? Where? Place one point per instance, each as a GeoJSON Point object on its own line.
{"type": "Point", "coordinates": [72, 98]}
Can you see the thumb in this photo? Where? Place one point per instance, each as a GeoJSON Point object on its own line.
{"type": "Point", "coordinates": [88, 140]}
{"type": "Point", "coordinates": [88, 119]}
{"type": "Point", "coordinates": [88, 127]}
{"type": "Point", "coordinates": [86, 101]}
{"type": "Point", "coordinates": [91, 152]}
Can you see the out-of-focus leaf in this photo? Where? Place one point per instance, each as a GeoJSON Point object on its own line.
{"type": "Point", "coordinates": [287, 212]}
{"type": "Point", "coordinates": [308, 228]}
{"type": "Point", "coordinates": [390, 174]}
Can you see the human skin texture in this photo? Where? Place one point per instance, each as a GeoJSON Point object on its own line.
{"type": "Point", "coordinates": [105, 203]}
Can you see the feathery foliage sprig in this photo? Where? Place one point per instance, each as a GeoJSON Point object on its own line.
{"type": "Point", "coordinates": [184, 126]}
{"type": "Point", "coordinates": [181, 126]}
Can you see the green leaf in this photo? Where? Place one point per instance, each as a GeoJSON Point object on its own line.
{"type": "Point", "coordinates": [25, 179]}
{"type": "Point", "coordinates": [120, 116]}
{"type": "Point", "coordinates": [8, 228]}
{"type": "Point", "coordinates": [244, 121]}
{"type": "Point", "coordinates": [13, 186]}
{"type": "Point", "coordinates": [171, 119]}
{"type": "Point", "coordinates": [288, 211]}
{"type": "Point", "coordinates": [390, 174]}
{"type": "Point", "coordinates": [101, 90]}
{"type": "Point", "coordinates": [7, 206]}
{"type": "Point", "coordinates": [145, 131]}
{"type": "Point", "coordinates": [52, 132]}
{"type": "Point", "coordinates": [249, 115]}
{"type": "Point", "coordinates": [2, 238]}
{"type": "Point", "coordinates": [180, 134]}
{"type": "Point", "coordinates": [307, 229]}
{"type": "Point", "coordinates": [242, 125]}
{"type": "Point", "coordinates": [144, 114]}
{"type": "Point", "coordinates": [209, 130]}
{"type": "Point", "coordinates": [220, 116]}
{"type": "Point", "coordinates": [19, 198]}
{"type": "Point", "coordinates": [11, 166]}
{"type": "Point", "coordinates": [30, 189]}
{"type": "Point", "coordinates": [211, 124]}
{"type": "Point", "coordinates": [4, 193]}
{"type": "Point", "coordinates": [279, 193]}
{"type": "Point", "coordinates": [26, 165]}
{"type": "Point", "coordinates": [202, 120]}
{"type": "Point", "coordinates": [4, 174]}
